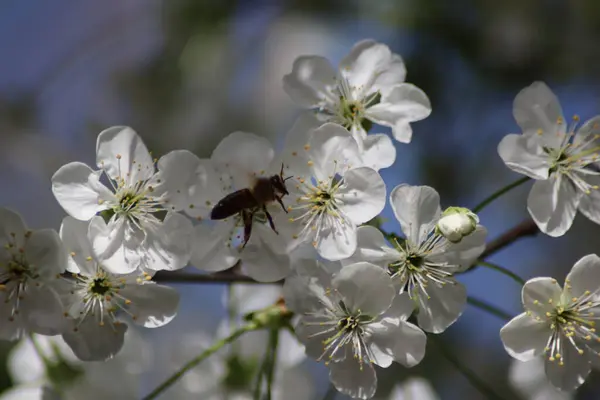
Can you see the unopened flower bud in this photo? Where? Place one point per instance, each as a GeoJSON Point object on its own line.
{"type": "Point", "coordinates": [456, 223]}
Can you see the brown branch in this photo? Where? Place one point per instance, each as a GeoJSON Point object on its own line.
{"type": "Point", "coordinates": [232, 275]}
{"type": "Point", "coordinates": [188, 277]}
{"type": "Point", "coordinates": [525, 228]}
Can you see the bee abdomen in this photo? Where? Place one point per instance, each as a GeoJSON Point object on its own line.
{"type": "Point", "coordinates": [233, 203]}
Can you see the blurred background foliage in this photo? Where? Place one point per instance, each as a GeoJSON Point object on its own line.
{"type": "Point", "coordinates": [185, 73]}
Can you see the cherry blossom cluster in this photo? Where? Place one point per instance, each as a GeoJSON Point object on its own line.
{"type": "Point", "coordinates": [301, 213]}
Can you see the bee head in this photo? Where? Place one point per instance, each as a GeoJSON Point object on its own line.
{"type": "Point", "coordinates": [278, 183]}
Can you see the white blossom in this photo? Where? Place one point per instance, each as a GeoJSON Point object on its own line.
{"type": "Point", "coordinates": [30, 261]}
{"type": "Point", "coordinates": [559, 324]}
{"type": "Point", "coordinates": [135, 237]}
{"type": "Point", "coordinates": [423, 265]}
{"type": "Point", "coordinates": [236, 164]}
{"type": "Point", "coordinates": [528, 378]}
{"type": "Point", "coordinates": [36, 378]}
{"type": "Point", "coordinates": [351, 318]}
{"type": "Point", "coordinates": [97, 300]}
{"type": "Point", "coordinates": [561, 157]}
{"type": "Point", "coordinates": [368, 86]}
{"type": "Point", "coordinates": [331, 192]}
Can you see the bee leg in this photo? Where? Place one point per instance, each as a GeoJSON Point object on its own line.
{"type": "Point", "coordinates": [247, 218]}
{"type": "Point", "coordinates": [282, 205]}
{"type": "Point", "coordinates": [271, 224]}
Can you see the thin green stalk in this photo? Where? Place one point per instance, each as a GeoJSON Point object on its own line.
{"type": "Point", "coordinates": [261, 373]}
{"type": "Point", "coordinates": [499, 193]}
{"type": "Point", "coordinates": [473, 379]}
{"type": "Point", "coordinates": [197, 360]}
{"type": "Point", "coordinates": [270, 370]}
{"type": "Point", "coordinates": [502, 270]}
{"type": "Point", "coordinates": [485, 306]}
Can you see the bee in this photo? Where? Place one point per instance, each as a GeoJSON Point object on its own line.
{"type": "Point", "coordinates": [248, 201]}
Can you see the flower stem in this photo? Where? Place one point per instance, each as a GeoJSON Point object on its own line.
{"type": "Point", "coordinates": [499, 193]}
{"type": "Point", "coordinates": [473, 379]}
{"type": "Point", "coordinates": [503, 270]}
{"type": "Point", "coordinates": [270, 368]}
{"type": "Point", "coordinates": [490, 308]}
{"type": "Point", "coordinates": [197, 360]}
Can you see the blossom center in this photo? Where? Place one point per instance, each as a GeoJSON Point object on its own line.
{"type": "Point", "coordinates": [572, 323]}
{"type": "Point", "coordinates": [16, 275]}
{"type": "Point", "coordinates": [414, 268]}
{"type": "Point", "coordinates": [573, 156]}
{"type": "Point", "coordinates": [99, 297]}
{"type": "Point", "coordinates": [318, 204]}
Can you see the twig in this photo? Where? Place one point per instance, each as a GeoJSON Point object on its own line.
{"type": "Point", "coordinates": [525, 228]}
{"type": "Point", "coordinates": [492, 309]}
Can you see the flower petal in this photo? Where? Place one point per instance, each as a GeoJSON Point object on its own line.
{"type": "Point", "coordinates": [573, 373]}
{"type": "Point", "coordinates": [211, 247]}
{"type": "Point", "coordinates": [311, 81]}
{"type": "Point", "coordinates": [262, 258]}
{"type": "Point", "coordinates": [78, 190]}
{"type": "Point", "coordinates": [553, 204]}
{"type": "Point", "coordinates": [309, 334]}
{"type": "Point", "coordinates": [524, 337]}
{"type": "Point", "coordinates": [443, 307]}
{"type": "Point", "coordinates": [589, 204]}
{"type": "Point", "coordinates": [357, 283]}
{"type": "Point", "coordinates": [378, 151]}
{"type": "Point", "coordinates": [92, 342]}
{"type": "Point", "coordinates": [331, 147]}
{"type": "Point", "coordinates": [191, 184]}
{"type": "Point", "coordinates": [403, 103]}
{"type": "Point", "coordinates": [113, 245]}
{"type": "Point", "coordinates": [121, 152]}
{"type": "Point", "coordinates": [353, 379]}
{"type": "Point", "coordinates": [295, 154]}
{"type": "Point", "coordinates": [416, 208]}
{"type": "Point", "coordinates": [74, 235]}
{"type": "Point", "coordinates": [151, 305]}
{"type": "Point", "coordinates": [307, 293]}
{"type": "Point", "coordinates": [402, 307]}
{"type": "Point", "coordinates": [539, 295]}
{"type": "Point", "coordinates": [362, 194]}
{"type": "Point", "coordinates": [44, 250]}
{"type": "Point", "coordinates": [585, 276]}
{"type": "Point", "coordinates": [536, 107]}
{"type": "Point", "coordinates": [167, 245]}
{"type": "Point", "coordinates": [525, 154]}
{"type": "Point", "coordinates": [372, 247]}
{"type": "Point", "coordinates": [245, 155]}
{"type": "Point", "coordinates": [392, 339]}
{"type": "Point", "coordinates": [12, 227]}
{"type": "Point", "coordinates": [465, 252]}
{"type": "Point", "coordinates": [393, 74]}
{"type": "Point", "coordinates": [364, 64]}
{"type": "Point", "coordinates": [290, 352]}
{"type": "Point", "coordinates": [335, 239]}
{"type": "Point", "coordinates": [42, 311]}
